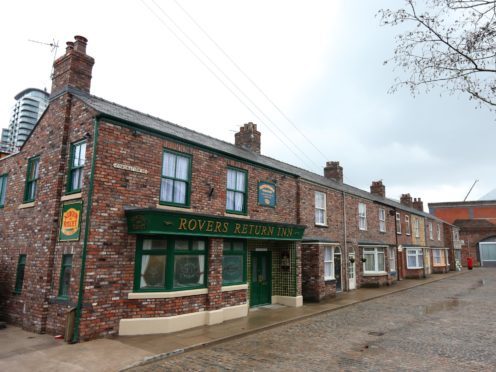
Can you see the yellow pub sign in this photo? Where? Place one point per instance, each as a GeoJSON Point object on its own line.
{"type": "Point", "coordinates": [70, 222]}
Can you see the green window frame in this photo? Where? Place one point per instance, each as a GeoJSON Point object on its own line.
{"type": "Point", "coordinates": [175, 181]}
{"type": "Point", "coordinates": [65, 276]}
{"type": "Point", "coordinates": [3, 189]}
{"type": "Point", "coordinates": [236, 190]}
{"type": "Point", "coordinates": [21, 266]}
{"type": "Point", "coordinates": [234, 262]}
{"type": "Point", "coordinates": [166, 264]}
{"type": "Point", "coordinates": [32, 176]}
{"type": "Point", "coordinates": [76, 166]}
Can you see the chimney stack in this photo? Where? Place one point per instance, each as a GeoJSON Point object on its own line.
{"type": "Point", "coordinates": [406, 199]}
{"type": "Point", "coordinates": [73, 68]}
{"type": "Point", "coordinates": [377, 188]}
{"type": "Point", "coordinates": [334, 171]}
{"type": "Point", "coordinates": [248, 138]}
{"type": "Point", "coordinates": [418, 204]}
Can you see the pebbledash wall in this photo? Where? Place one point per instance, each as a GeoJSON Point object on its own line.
{"type": "Point", "coordinates": [122, 254]}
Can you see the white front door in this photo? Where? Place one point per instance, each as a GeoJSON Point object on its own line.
{"type": "Point", "coordinates": [351, 271]}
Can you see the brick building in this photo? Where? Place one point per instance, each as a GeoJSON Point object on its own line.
{"type": "Point", "coordinates": [476, 222]}
{"type": "Point", "coordinates": [136, 225]}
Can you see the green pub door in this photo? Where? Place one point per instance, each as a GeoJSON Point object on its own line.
{"type": "Point", "coordinates": [260, 283]}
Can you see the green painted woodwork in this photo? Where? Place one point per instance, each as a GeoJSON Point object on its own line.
{"type": "Point", "coordinates": [260, 281]}
{"type": "Point", "coordinates": [156, 222]}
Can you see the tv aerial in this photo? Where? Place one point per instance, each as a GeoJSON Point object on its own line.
{"type": "Point", "coordinates": [54, 45]}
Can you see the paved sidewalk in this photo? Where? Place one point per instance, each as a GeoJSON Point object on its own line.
{"type": "Point", "coordinates": [25, 351]}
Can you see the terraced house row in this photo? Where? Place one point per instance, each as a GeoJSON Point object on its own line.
{"type": "Point", "coordinates": [135, 225]}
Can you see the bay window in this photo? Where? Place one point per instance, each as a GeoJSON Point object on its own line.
{"type": "Point", "coordinates": [414, 258]}
{"type": "Point", "coordinates": [374, 260]}
{"type": "Point", "coordinates": [168, 264]}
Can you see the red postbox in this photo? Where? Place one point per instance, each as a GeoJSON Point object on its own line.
{"type": "Point", "coordinates": [470, 263]}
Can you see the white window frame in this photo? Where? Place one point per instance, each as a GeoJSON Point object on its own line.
{"type": "Point", "coordinates": [362, 216]}
{"type": "Point", "coordinates": [375, 252]}
{"type": "Point", "coordinates": [408, 230]}
{"type": "Point", "coordinates": [431, 233]}
{"type": "Point", "coordinates": [392, 259]}
{"type": "Point", "coordinates": [416, 227]}
{"type": "Point", "coordinates": [329, 262]}
{"type": "Point", "coordinates": [398, 223]}
{"type": "Point", "coordinates": [438, 257]}
{"type": "Point", "coordinates": [382, 220]}
{"type": "Point", "coordinates": [320, 208]}
{"type": "Point", "coordinates": [417, 253]}
{"type": "Point", "coordinates": [439, 232]}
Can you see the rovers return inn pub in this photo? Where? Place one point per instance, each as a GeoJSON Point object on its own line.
{"type": "Point", "coordinates": [116, 222]}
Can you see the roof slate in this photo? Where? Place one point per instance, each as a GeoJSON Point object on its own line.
{"type": "Point", "coordinates": [140, 119]}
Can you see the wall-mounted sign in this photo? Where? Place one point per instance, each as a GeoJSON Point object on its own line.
{"type": "Point", "coordinates": [70, 223]}
{"type": "Point", "coordinates": [152, 221]}
{"type": "Point", "coordinates": [130, 168]}
{"type": "Point", "coordinates": [267, 194]}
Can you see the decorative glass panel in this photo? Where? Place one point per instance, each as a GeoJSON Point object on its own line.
{"type": "Point", "coordinates": [188, 270]}
{"type": "Point", "coordinates": [152, 271]}
{"type": "Point", "coordinates": [232, 269]}
{"type": "Point", "coordinates": [181, 245]}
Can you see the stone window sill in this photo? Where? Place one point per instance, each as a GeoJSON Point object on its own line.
{"type": "Point", "coordinates": [236, 215]}
{"type": "Point", "coordinates": [238, 287]}
{"type": "Point", "coordinates": [175, 294]}
{"type": "Point", "coordinates": [172, 208]}
{"type": "Point", "coordinates": [378, 273]}
{"type": "Point", "coordinates": [76, 195]}
{"type": "Point", "coordinates": [26, 205]}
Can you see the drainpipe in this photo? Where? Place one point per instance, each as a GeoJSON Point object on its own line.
{"type": "Point", "coordinates": [345, 247]}
{"type": "Point", "coordinates": [79, 307]}
{"type": "Point", "coordinates": [396, 239]}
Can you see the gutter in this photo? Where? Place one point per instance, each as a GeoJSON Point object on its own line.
{"type": "Point", "coordinates": [79, 307]}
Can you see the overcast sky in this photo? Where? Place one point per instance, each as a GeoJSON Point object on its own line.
{"type": "Point", "coordinates": [320, 64]}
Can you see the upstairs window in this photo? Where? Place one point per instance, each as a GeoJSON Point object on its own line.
{"type": "Point", "coordinates": [439, 231]}
{"type": "Point", "coordinates": [398, 223]}
{"type": "Point", "coordinates": [236, 191]}
{"type": "Point", "coordinates": [431, 235]}
{"type": "Point", "coordinates": [407, 225]}
{"type": "Point", "coordinates": [175, 183]}
{"type": "Point", "coordinates": [320, 208]}
{"type": "Point", "coordinates": [362, 216]}
{"type": "Point", "coordinates": [32, 176]}
{"type": "Point", "coordinates": [3, 189]}
{"type": "Point", "coordinates": [382, 220]}
{"type": "Point", "coordinates": [416, 227]}
{"type": "Point", "coordinates": [76, 166]}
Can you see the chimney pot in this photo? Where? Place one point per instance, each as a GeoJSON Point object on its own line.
{"type": "Point", "coordinates": [248, 138]}
{"type": "Point", "coordinates": [80, 44]}
{"type": "Point", "coordinates": [378, 188]}
{"type": "Point", "coordinates": [333, 171]}
{"type": "Point", "coordinates": [73, 68]}
{"type": "Point", "coordinates": [406, 199]}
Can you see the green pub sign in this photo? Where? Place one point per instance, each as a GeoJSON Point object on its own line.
{"type": "Point", "coordinates": [267, 194]}
{"type": "Point", "coordinates": [70, 221]}
{"type": "Point", "coordinates": [153, 221]}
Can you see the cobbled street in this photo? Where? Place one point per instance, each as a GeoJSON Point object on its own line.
{"type": "Point", "coordinates": [445, 325]}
